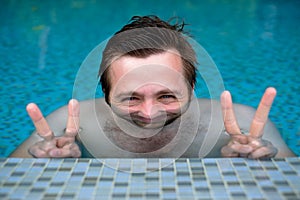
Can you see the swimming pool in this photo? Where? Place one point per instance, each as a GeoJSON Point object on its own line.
{"type": "Point", "coordinates": [255, 44]}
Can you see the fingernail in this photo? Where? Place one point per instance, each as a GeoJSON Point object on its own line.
{"type": "Point", "coordinates": [255, 143]}
{"type": "Point", "coordinates": [54, 153]}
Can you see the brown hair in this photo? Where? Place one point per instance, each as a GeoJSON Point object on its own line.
{"type": "Point", "coordinates": [145, 36]}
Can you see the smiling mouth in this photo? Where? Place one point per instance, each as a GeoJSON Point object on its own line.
{"type": "Point", "coordinates": [155, 120]}
{"type": "Point", "coordinates": [150, 125]}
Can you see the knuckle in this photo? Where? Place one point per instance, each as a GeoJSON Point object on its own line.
{"type": "Point", "coordinates": [226, 151]}
{"type": "Point", "coordinates": [38, 153]}
{"type": "Point", "coordinates": [264, 152]}
{"type": "Point", "coordinates": [71, 132]}
{"type": "Point", "coordinates": [77, 154]}
{"type": "Point", "coordinates": [223, 151]}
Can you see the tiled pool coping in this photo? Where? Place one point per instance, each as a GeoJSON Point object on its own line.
{"type": "Point", "coordinates": [235, 178]}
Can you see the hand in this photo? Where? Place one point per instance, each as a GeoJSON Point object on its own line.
{"type": "Point", "coordinates": [51, 146]}
{"type": "Point", "coordinates": [251, 145]}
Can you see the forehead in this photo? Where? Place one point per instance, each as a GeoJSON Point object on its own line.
{"type": "Point", "coordinates": [165, 63]}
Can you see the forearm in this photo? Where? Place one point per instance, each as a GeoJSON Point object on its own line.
{"type": "Point", "coordinates": [22, 150]}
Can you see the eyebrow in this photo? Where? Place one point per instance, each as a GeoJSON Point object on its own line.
{"type": "Point", "coordinates": [161, 92]}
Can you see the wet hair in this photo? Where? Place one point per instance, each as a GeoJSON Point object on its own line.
{"type": "Point", "coordinates": [144, 36]}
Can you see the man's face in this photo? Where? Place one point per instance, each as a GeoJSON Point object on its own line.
{"type": "Point", "coordinates": [149, 92]}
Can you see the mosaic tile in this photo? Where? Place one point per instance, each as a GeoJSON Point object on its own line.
{"type": "Point", "coordinates": [171, 182]}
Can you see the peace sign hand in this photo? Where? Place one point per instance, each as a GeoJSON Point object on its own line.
{"type": "Point", "coordinates": [251, 145]}
{"type": "Point", "coordinates": [51, 146]}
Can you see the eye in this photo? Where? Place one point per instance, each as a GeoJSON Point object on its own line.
{"type": "Point", "coordinates": [166, 96]}
{"type": "Point", "coordinates": [130, 99]}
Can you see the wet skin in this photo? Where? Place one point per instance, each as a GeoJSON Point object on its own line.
{"type": "Point", "coordinates": [151, 94]}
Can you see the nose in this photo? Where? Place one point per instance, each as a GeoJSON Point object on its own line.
{"type": "Point", "coordinates": [149, 109]}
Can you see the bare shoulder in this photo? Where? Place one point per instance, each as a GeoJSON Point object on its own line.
{"type": "Point", "coordinates": [244, 115]}
{"type": "Point", "coordinates": [88, 112]}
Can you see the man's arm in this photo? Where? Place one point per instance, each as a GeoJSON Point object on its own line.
{"type": "Point", "coordinates": [261, 140]}
{"type": "Point", "coordinates": [22, 150]}
{"type": "Point", "coordinates": [245, 114]}
{"type": "Point", "coordinates": [58, 141]}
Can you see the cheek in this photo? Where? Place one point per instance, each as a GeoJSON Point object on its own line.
{"type": "Point", "coordinates": [125, 110]}
{"type": "Point", "coordinates": [172, 108]}
{"type": "Point", "coordinates": [120, 109]}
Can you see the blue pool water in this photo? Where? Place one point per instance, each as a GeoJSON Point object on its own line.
{"type": "Point", "coordinates": [255, 44]}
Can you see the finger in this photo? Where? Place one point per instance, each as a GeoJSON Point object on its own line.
{"type": "Point", "coordinates": [64, 140]}
{"type": "Point", "coordinates": [236, 150]}
{"type": "Point", "coordinates": [263, 149]}
{"type": "Point", "coordinates": [230, 122]}
{"type": "Point", "coordinates": [39, 122]}
{"type": "Point", "coordinates": [73, 118]}
{"type": "Point", "coordinates": [257, 142]}
{"type": "Point", "coordinates": [59, 153]}
{"type": "Point", "coordinates": [241, 148]}
{"type": "Point", "coordinates": [239, 138]}
{"type": "Point", "coordinates": [228, 152]}
{"type": "Point", "coordinates": [40, 149]}
{"type": "Point", "coordinates": [264, 152]}
{"type": "Point", "coordinates": [70, 150]}
{"type": "Point", "coordinates": [37, 152]}
{"type": "Point", "coordinates": [261, 115]}
{"type": "Point", "coordinates": [75, 151]}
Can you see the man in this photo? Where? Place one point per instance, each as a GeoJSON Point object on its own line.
{"type": "Point", "coordinates": [148, 75]}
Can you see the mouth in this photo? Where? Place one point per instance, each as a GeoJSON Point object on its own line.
{"type": "Point", "coordinates": [156, 122]}
{"type": "Point", "coordinates": [160, 119]}
{"type": "Point", "coordinates": [150, 120]}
